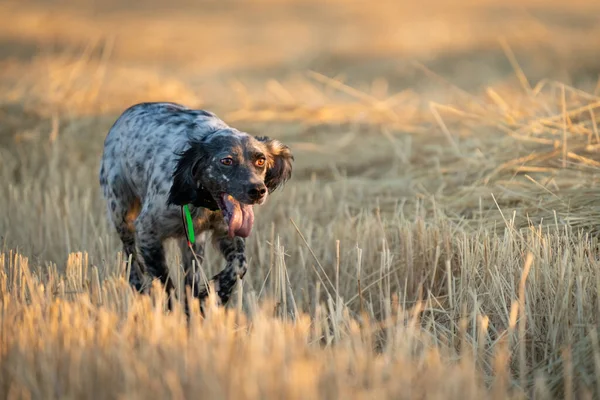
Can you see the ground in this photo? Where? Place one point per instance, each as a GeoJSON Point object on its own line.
{"type": "Point", "coordinates": [438, 237]}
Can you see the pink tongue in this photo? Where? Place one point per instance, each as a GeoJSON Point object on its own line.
{"type": "Point", "coordinates": [242, 217]}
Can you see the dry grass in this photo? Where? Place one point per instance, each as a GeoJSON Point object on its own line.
{"type": "Point", "coordinates": [438, 238]}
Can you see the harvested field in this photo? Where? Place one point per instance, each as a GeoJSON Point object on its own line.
{"type": "Point", "coordinates": [438, 238]}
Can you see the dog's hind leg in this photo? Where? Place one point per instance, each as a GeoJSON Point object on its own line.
{"type": "Point", "coordinates": [127, 235]}
{"type": "Point", "coordinates": [123, 208]}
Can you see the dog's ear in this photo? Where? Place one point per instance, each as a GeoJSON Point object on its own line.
{"type": "Point", "coordinates": [279, 169]}
{"type": "Point", "coordinates": [184, 188]}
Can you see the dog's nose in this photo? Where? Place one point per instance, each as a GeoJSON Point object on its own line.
{"type": "Point", "coordinates": [256, 192]}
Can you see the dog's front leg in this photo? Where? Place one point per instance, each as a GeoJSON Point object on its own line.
{"type": "Point", "coordinates": [234, 252]}
{"type": "Point", "coordinates": [151, 254]}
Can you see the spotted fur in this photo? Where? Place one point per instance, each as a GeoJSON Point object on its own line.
{"type": "Point", "coordinates": [160, 156]}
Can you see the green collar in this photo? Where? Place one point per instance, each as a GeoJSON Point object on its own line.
{"type": "Point", "coordinates": [190, 224]}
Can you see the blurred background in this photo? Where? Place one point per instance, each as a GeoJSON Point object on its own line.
{"type": "Point", "coordinates": [225, 53]}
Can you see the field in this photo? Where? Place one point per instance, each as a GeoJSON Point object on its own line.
{"type": "Point", "coordinates": [438, 238]}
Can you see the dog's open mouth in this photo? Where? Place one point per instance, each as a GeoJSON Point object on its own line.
{"type": "Point", "coordinates": [238, 216]}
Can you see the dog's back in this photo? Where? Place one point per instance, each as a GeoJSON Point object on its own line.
{"type": "Point", "coordinates": [140, 146]}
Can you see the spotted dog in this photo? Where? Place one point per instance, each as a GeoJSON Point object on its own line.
{"type": "Point", "coordinates": [159, 157]}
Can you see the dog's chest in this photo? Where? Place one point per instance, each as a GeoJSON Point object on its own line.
{"type": "Point", "coordinates": [205, 219]}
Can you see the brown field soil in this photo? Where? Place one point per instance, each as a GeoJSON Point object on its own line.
{"type": "Point", "coordinates": [438, 238]}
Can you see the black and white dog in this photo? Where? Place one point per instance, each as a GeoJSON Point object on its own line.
{"type": "Point", "coordinates": [159, 157]}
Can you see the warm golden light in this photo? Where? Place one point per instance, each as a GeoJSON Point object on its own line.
{"type": "Point", "coordinates": [437, 239]}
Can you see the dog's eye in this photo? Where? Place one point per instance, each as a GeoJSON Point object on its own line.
{"type": "Point", "coordinates": [260, 162]}
{"type": "Point", "coordinates": [227, 161]}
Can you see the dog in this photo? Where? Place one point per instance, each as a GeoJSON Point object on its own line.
{"type": "Point", "coordinates": [161, 156]}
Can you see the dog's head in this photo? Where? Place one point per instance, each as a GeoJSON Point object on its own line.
{"type": "Point", "coordinates": [231, 171]}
